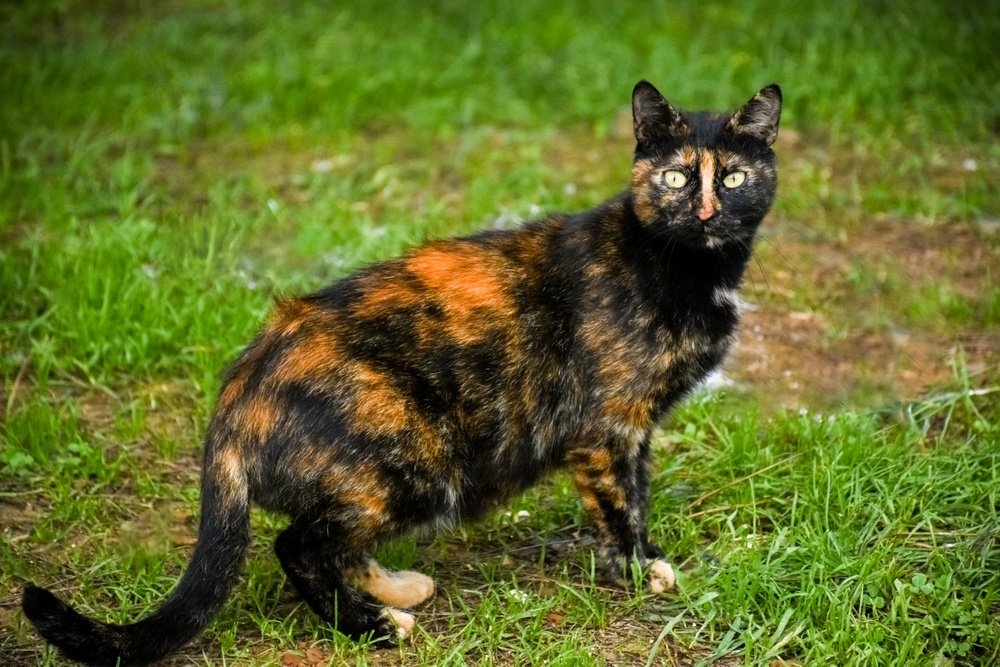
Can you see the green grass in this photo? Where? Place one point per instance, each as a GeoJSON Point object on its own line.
{"type": "Point", "coordinates": [167, 168]}
{"type": "Point", "coordinates": [841, 539]}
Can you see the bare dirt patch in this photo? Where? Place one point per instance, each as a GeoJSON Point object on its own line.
{"type": "Point", "coordinates": [838, 322]}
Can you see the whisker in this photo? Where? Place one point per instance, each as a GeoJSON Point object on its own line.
{"type": "Point", "coordinates": [753, 284]}
{"type": "Point", "coordinates": [748, 245]}
{"type": "Point", "coordinates": [760, 265]}
{"type": "Point", "coordinates": [782, 255]}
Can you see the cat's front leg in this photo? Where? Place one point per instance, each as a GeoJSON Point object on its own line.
{"type": "Point", "coordinates": [613, 482]}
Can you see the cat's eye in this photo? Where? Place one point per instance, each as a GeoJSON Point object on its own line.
{"type": "Point", "coordinates": [674, 179]}
{"type": "Point", "coordinates": [734, 179]}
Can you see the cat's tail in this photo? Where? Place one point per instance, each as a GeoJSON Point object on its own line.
{"type": "Point", "coordinates": [215, 567]}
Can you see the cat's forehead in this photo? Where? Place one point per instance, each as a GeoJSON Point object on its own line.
{"type": "Point", "coordinates": [705, 131]}
{"type": "Point", "coordinates": [691, 155]}
{"type": "Point", "coordinates": [706, 126]}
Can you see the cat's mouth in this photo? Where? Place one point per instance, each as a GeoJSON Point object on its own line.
{"type": "Point", "coordinates": [696, 234]}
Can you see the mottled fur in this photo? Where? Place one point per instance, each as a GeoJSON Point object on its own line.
{"type": "Point", "coordinates": [432, 387]}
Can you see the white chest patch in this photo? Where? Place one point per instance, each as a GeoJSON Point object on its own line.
{"type": "Point", "coordinates": [726, 296]}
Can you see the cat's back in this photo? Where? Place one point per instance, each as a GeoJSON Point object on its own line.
{"type": "Point", "coordinates": [431, 359]}
{"type": "Point", "coordinates": [449, 293]}
{"type": "Point", "coordinates": [436, 327]}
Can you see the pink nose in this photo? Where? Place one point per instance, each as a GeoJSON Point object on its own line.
{"type": "Point", "coordinates": [706, 212]}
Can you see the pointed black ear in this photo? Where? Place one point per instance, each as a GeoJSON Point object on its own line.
{"type": "Point", "coordinates": [759, 117]}
{"type": "Point", "coordinates": [652, 118]}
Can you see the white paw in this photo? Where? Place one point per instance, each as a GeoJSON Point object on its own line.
{"type": "Point", "coordinates": [415, 587]}
{"type": "Point", "coordinates": [661, 576]}
{"type": "Point", "coordinates": [403, 621]}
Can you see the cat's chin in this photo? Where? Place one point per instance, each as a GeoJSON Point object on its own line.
{"type": "Point", "coordinates": [713, 242]}
{"type": "Point", "coordinates": [726, 236]}
{"type": "Point", "coordinates": [718, 240]}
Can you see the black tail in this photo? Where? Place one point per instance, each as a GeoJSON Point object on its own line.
{"type": "Point", "coordinates": [210, 576]}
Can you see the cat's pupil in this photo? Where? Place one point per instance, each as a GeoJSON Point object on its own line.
{"type": "Point", "coordinates": [734, 179]}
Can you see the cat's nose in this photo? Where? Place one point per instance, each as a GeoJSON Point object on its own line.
{"type": "Point", "coordinates": [707, 211]}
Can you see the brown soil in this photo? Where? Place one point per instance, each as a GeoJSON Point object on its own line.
{"type": "Point", "coordinates": [810, 340]}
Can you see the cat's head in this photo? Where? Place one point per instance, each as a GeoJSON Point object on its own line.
{"type": "Point", "coordinates": [703, 179]}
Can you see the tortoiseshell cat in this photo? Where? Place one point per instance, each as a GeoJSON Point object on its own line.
{"type": "Point", "coordinates": [429, 388]}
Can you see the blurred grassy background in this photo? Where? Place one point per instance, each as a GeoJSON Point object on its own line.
{"type": "Point", "coordinates": [167, 167]}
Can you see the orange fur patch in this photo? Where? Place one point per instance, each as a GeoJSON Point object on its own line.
{"type": "Point", "coordinates": [231, 478]}
{"type": "Point", "coordinates": [386, 294]}
{"type": "Point", "coordinates": [233, 389]}
{"type": "Point", "coordinates": [613, 366]}
{"type": "Point", "coordinates": [465, 282]}
{"type": "Point", "coordinates": [709, 202]}
{"type": "Point", "coordinates": [688, 156]}
{"type": "Point", "coordinates": [609, 488]}
{"type": "Point", "coordinates": [367, 495]}
{"type": "Point", "coordinates": [288, 316]}
{"type": "Point", "coordinates": [379, 407]}
{"type": "Point", "coordinates": [724, 159]}
{"type": "Point", "coordinates": [253, 355]}
{"type": "Point", "coordinates": [594, 478]}
{"type": "Point", "coordinates": [587, 495]}
{"type": "Point", "coordinates": [463, 278]}
{"type": "Point", "coordinates": [336, 477]}
{"type": "Point", "coordinates": [260, 417]}
{"type": "Point", "coordinates": [599, 460]}
{"type": "Point", "coordinates": [641, 176]}
{"type": "Point", "coordinates": [373, 503]}
{"type": "Point", "coordinates": [315, 355]}
{"type": "Point", "coordinates": [636, 413]}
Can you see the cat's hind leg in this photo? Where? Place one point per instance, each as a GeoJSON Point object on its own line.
{"type": "Point", "coordinates": [397, 589]}
{"type": "Point", "coordinates": [320, 570]}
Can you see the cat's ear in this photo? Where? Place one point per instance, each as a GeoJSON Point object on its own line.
{"type": "Point", "coordinates": [653, 119]}
{"type": "Point", "coordinates": [759, 117]}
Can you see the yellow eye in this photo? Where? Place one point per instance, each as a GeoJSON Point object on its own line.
{"type": "Point", "coordinates": [735, 179]}
{"type": "Point", "coordinates": [674, 179]}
